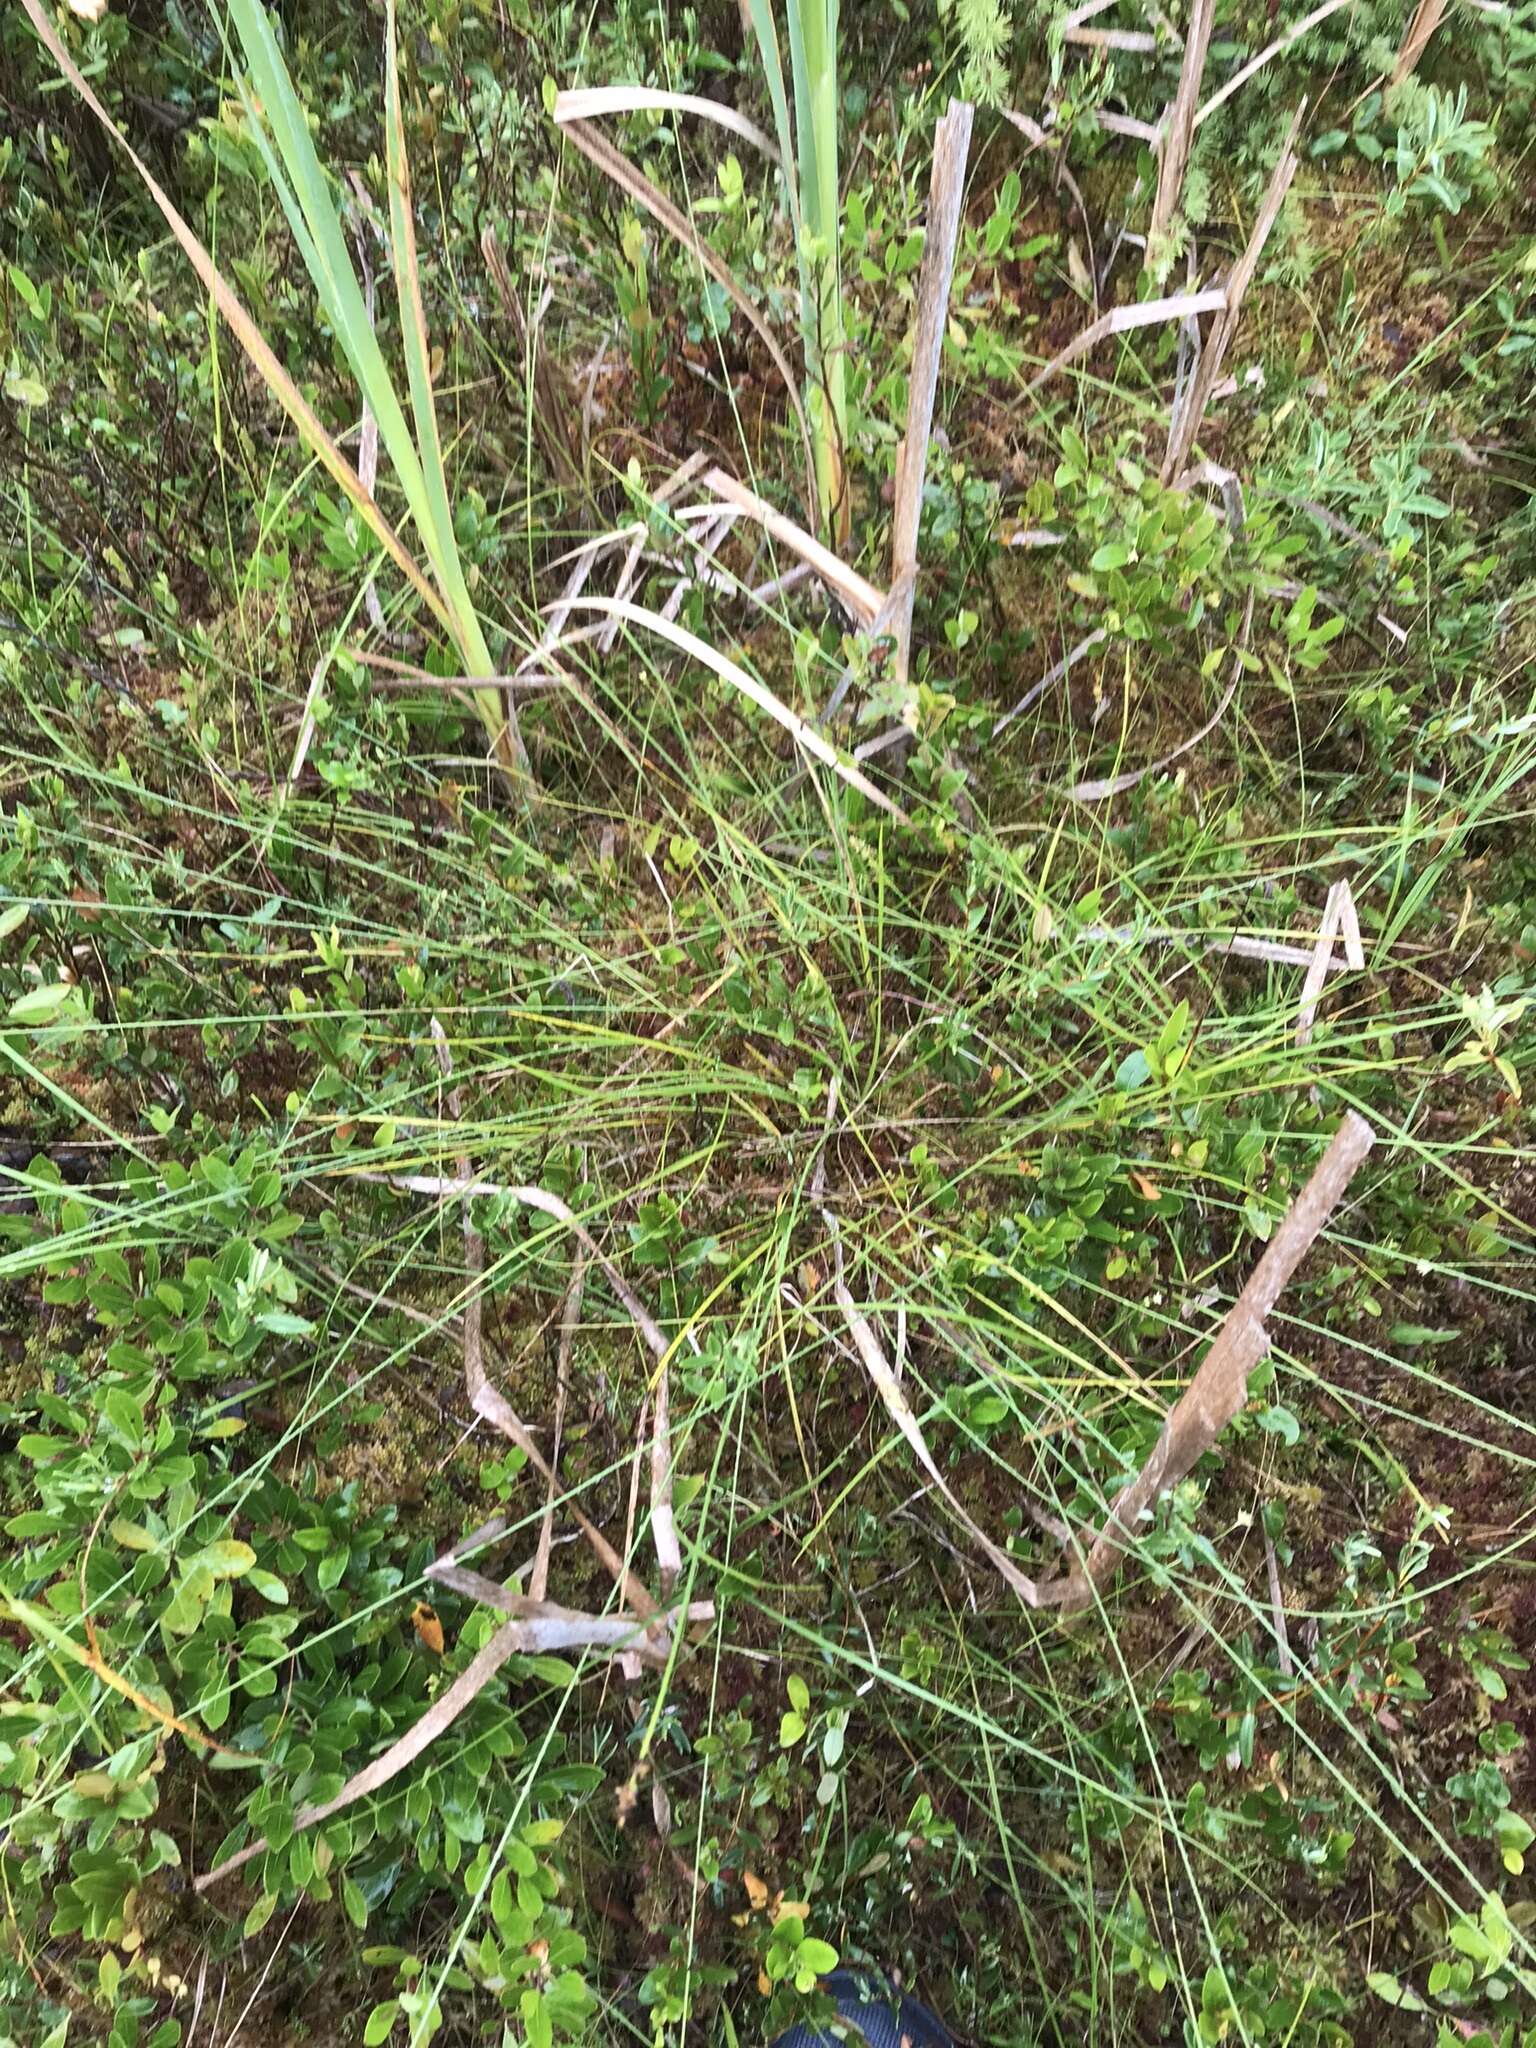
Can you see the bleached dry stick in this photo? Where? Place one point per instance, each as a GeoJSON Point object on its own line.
{"type": "Point", "coordinates": [1219, 1389]}
{"type": "Point", "coordinates": [1186, 424]}
{"type": "Point", "coordinates": [888, 1387]}
{"type": "Point", "coordinates": [951, 147]}
{"type": "Point", "coordinates": [1425, 20]}
{"type": "Point", "coordinates": [1179, 129]}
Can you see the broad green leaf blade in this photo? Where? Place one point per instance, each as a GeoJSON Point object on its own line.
{"type": "Point", "coordinates": [767, 35]}
{"type": "Point", "coordinates": [245, 330]}
{"type": "Point", "coordinates": [418, 363]}
{"type": "Point", "coordinates": [306, 198]}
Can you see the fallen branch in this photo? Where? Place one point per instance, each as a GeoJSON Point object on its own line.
{"type": "Point", "coordinates": [1219, 1389]}
{"type": "Point", "coordinates": [1208, 1404]}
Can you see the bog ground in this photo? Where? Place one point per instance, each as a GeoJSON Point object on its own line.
{"type": "Point", "coordinates": [767, 924]}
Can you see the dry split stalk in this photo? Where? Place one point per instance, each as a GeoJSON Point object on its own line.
{"type": "Point", "coordinates": [1219, 1389]}
{"type": "Point", "coordinates": [1179, 129]}
{"type": "Point", "coordinates": [1425, 20]}
{"type": "Point", "coordinates": [591, 102]}
{"type": "Point", "coordinates": [1186, 423]}
{"type": "Point", "coordinates": [1340, 921]}
{"type": "Point", "coordinates": [663, 495]}
{"type": "Point", "coordinates": [951, 147]}
{"type": "Point", "coordinates": [1074, 30]}
{"type": "Point", "coordinates": [487, 1401]}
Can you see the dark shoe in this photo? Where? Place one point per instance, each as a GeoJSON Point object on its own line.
{"type": "Point", "coordinates": [869, 2015]}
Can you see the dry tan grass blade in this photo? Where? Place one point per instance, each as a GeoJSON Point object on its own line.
{"type": "Point", "coordinates": [1179, 129]}
{"type": "Point", "coordinates": [591, 102]}
{"type": "Point", "coordinates": [804, 735]}
{"type": "Point", "coordinates": [1219, 1389]}
{"type": "Point", "coordinates": [248, 333]}
{"type": "Point", "coordinates": [570, 1319]}
{"type": "Point", "coordinates": [1293, 34]}
{"type": "Point", "coordinates": [888, 1387]}
{"type": "Point", "coordinates": [1037, 138]}
{"type": "Point", "coordinates": [487, 1401]}
{"type": "Point", "coordinates": [1053, 674]}
{"type": "Point", "coordinates": [1122, 319]}
{"type": "Point", "coordinates": [614, 164]}
{"type": "Point", "coordinates": [1117, 785]}
{"type": "Point", "coordinates": [946, 190]}
{"type": "Point", "coordinates": [1186, 424]}
{"type": "Point", "coordinates": [859, 595]}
